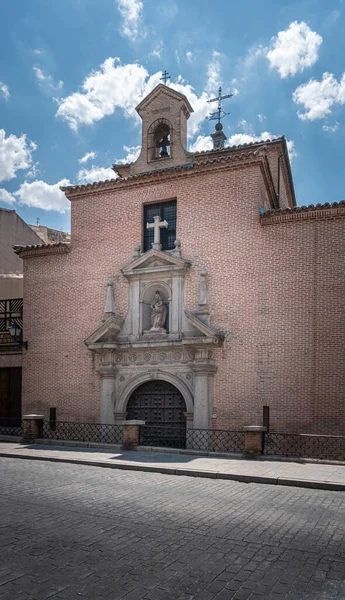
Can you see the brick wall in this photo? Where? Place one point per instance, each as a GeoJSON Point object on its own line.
{"type": "Point", "coordinates": [278, 290]}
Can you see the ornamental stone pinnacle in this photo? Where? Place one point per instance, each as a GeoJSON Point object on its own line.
{"type": "Point", "coordinates": [156, 226]}
{"type": "Point", "coordinates": [109, 309]}
{"type": "Point", "coordinates": [203, 309]}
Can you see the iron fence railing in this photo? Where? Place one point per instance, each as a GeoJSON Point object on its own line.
{"type": "Point", "coordinates": [164, 436]}
{"type": "Point", "coordinates": [299, 445]}
{"type": "Point", "coordinates": [11, 427]}
{"type": "Point", "coordinates": [82, 432]}
{"type": "Point", "coordinates": [216, 440]}
{"type": "Point", "coordinates": [292, 445]}
{"type": "Point", "coordinates": [213, 440]}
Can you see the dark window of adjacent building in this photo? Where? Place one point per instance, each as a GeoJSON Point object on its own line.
{"type": "Point", "coordinates": [167, 212]}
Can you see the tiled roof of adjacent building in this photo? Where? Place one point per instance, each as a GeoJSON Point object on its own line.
{"type": "Point", "coordinates": [18, 249]}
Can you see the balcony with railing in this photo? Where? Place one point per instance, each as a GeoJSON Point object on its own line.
{"type": "Point", "coordinates": [11, 317]}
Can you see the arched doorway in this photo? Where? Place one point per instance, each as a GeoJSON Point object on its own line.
{"type": "Point", "coordinates": [161, 405]}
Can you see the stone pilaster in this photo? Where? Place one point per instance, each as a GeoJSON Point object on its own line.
{"type": "Point", "coordinates": [107, 373]}
{"type": "Point", "coordinates": [203, 378]}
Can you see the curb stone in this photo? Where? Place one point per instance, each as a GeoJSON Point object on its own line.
{"type": "Point", "coordinates": [285, 481]}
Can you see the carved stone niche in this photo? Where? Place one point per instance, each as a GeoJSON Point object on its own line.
{"type": "Point", "coordinates": [180, 353]}
{"type": "Point", "coordinates": [154, 272]}
{"type": "Point", "coordinates": [147, 298]}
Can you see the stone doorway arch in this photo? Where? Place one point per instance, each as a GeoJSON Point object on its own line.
{"type": "Point", "coordinates": [162, 406]}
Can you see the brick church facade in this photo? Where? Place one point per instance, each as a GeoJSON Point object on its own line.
{"type": "Point", "coordinates": [253, 292]}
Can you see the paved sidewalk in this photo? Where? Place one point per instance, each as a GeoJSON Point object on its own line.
{"type": "Point", "coordinates": [300, 473]}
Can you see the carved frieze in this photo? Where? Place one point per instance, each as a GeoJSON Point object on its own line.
{"type": "Point", "coordinates": [126, 358]}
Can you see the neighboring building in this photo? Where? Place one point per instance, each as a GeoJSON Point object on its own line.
{"type": "Point", "coordinates": [49, 236]}
{"type": "Point", "coordinates": [242, 315]}
{"type": "Point", "coordinates": [13, 230]}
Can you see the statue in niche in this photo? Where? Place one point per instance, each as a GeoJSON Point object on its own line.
{"type": "Point", "coordinates": [158, 313]}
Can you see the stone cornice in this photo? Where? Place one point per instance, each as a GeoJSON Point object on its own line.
{"type": "Point", "coordinates": [151, 345]}
{"type": "Point", "coordinates": [223, 162]}
{"type": "Point", "coordinates": [303, 213]}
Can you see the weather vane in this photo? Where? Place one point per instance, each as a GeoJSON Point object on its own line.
{"type": "Point", "coordinates": [165, 77]}
{"type": "Point", "coordinates": [219, 113]}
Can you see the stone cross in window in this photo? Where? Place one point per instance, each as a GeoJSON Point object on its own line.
{"type": "Point", "coordinates": [156, 226]}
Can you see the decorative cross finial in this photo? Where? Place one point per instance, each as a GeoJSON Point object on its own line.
{"type": "Point", "coordinates": [219, 112]}
{"type": "Point", "coordinates": [218, 136]}
{"type": "Point", "coordinates": [156, 226]}
{"type": "Point", "coordinates": [165, 77]}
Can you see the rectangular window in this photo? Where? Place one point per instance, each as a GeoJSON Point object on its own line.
{"type": "Point", "coordinates": [167, 212]}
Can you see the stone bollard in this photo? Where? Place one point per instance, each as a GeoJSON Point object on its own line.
{"type": "Point", "coordinates": [254, 440]}
{"type": "Point", "coordinates": [32, 426]}
{"type": "Point", "coordinates": [131, 434]}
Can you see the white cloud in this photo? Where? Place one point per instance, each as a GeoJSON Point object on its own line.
{"type": "Point", "coordinates": [244, 124]}
{"type": "Point", "coordinates": [204, 143]}
{"type": "Point", "coordinates": [189, 57]}
{"type": "Point", "coordinates": [318, 97]}
{"type": "Point", "coordinates": [112, 86]}
{"type": "Point", "coordinates": [253, 54]}
{"type": "Point", "coordinates": [38, 51]}
{"type": "Point", "coordinates": [261, 118]}
{"type": "Point", "coordinates": [4, 91]}
{"type": "Point", "coordinates": [246, 138]}
{"type": "Point", "coordinates": [40, 194]}
{"type": "Point", "coordinates": [15, 154]}
{"type": "Point", "coordinates": [201, 144]}
{"type": "Point", "coordinates": [291, 149]}
{"type": "Point", "coordinates": [86, 157]}
{"type": "Point", "coordinates": [46, 81]}
{"type": "Point", "coordinates": [95, 174]}
{"type": "Point", "coordinates": [294, 49]}
{"type": "Point", "coordinates": [123, 86]}
{"type": "Point", "coordinates": [34, 171]}
{"type": "Point", "coordinates": [157, 51]}
{"type": "Point", "coordinates": [6, 197]}
{"type": "Point", "coordinates": [131, 12]}
{"type": "Point", "coordinates": [199, 104]}
{"type": "Point", "coordinates": [213, 73]}
{"type": "Point", "coordinates": [331, 128]}
{"type": "Point", "coordinates": [132, 155]}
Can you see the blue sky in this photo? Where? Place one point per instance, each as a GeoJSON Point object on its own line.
{"type": "Point", "coordinates": [71, 73]}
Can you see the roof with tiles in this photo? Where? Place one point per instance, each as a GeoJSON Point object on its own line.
{"type": "Point", "coordinates": [18, 249]}
{"type": "Point", "coordinates": [216, 156]}
{"type": "Point", "coordinates": [299, 209]}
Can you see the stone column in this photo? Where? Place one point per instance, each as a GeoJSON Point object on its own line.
{"type": "Point", "coordinates": [32, 426]}
{"type": "Point", "coordinates": [253, 440]}
{"type": "Point", "coordinates": [107, 401]}
{"type": "Point", "coordinates": [131, 434]}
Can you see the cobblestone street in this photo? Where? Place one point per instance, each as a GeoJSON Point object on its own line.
{"type": "Point", "coordinates": [71, 531]}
